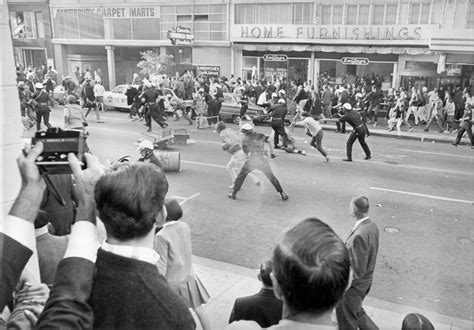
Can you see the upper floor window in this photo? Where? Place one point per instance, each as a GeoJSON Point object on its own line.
{"type": "Point", "coordinates": [331, 14]}
{"type": "Point", "coordinates": [357, 14]}
{"type": "Point", "coordinates": [27, 24]}
{"type": "Point", "coordinates": [275, 13]}
{"type": "Point", "coordinates": [470, 17]}
{"type": "Point", "coordinates": [384, 14]}
{"type": "Point", "coordinates": [420, 13]}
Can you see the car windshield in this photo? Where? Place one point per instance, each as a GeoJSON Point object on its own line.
{"type": "Point", "coordinates": [229, 99]}
{"type": "Point", "coordinates": [119, 89]}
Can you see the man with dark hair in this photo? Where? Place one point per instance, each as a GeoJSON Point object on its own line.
{"type": "Point", "coordinates": [311, 271]}
{"type": "Point", "coordinates": [363, 245]}
{"type": "Point", "coordinates": [263, 307]}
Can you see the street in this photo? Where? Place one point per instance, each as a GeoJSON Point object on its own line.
{"type": "Point", "coordinates": [420, 193]}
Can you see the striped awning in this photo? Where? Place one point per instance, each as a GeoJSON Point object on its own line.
{"type": "Point", "coordinates": [334, 49]}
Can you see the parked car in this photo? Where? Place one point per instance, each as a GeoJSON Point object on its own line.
{"type": "Point", "coordinates": [116, 98]}
{"type": "Point", "coordinates": [230, 110]}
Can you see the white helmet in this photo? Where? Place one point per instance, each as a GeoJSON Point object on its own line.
{"type": "Point", "coordinates": [281, 101]}
{"type": "Point", "coordinates": [347, 106]}
{"type": "Point", "coordinates": [246, 127]}
{"type": "Point", "coordinates": [145, 144]}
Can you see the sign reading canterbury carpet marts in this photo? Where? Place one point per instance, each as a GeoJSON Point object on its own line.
{"type": "Point", "coordinates": [111, 12]}
{"type": "Point", "coordinates": [355, 60]}
{"type": "Point", "coordinates": [363, 34]}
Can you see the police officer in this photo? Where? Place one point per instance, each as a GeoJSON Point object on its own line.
{"type": "Point", "coordinates": [145, 148]}
{"type": "Point", "coordinates": [278, 113]}
{"type": "Point", "coordinates": [253, 145]}
{"type": "Point", "coordinates": [355, 120]}
{"type": "Point", "coordinates": [42, 109]}
{"type": "Point", "coordinates": [148, 98]}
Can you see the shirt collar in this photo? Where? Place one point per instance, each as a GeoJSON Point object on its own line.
{"type": "Point", "coordinates": [359, 222]}
{"type": "Point", "coordinates": [41, 231]}
{"type": "Point", "coordinates": [135, 252]}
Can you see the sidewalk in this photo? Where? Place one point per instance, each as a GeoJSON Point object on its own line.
{"type": "Point", "coordinates": [416, 134]}
{"type": "Point", "coordinates": [226, 282]}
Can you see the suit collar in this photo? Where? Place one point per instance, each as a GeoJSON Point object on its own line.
{"type": "Point", "coordinates": [358, 224]}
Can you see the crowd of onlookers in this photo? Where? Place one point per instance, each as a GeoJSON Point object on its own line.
{"type": "Point", "coordinates": [105, 248]}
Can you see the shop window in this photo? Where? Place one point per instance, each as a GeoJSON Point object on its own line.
{"type": "Point", "coordinates": [470, 18]}
{"type": "Point", "coordinates": [66, 26]}
{"type": "Point", "coordinates": [146, 28]}
{"type": "Point", "coordinates": [91, 26]}
{"type": "Point", "coordinates": [245, 14]}
{"type": "Point", "coordinates": [302, 13]}
{"type": "Point", "coordinates": [419, 13]}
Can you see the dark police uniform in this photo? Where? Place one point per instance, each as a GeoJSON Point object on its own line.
{"type": "Point", "coordinates": [465, 126]}
{"type": "Point", "coordinates": [355, 120]}
{"type": "Point", "coordinates": [152, 109]}
{"type": "Point", "coordinates": [244, 104]}
{"type": "Point", "coordinates": [42, 109]}
{"type": "Point", "coordinates": [253, 144]}
{"type": "Point", "coordinates": [278, 112]}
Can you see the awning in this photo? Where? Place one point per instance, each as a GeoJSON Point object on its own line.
{"type": "Point", "coordinates": [453, 41]}
{"type": "Point", "coordinates": [333, 49]}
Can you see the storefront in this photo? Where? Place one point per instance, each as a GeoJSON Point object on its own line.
{"type": "Point", "coordinates": [343, 53]}
{"type": "Point", "coordinates": [31, 34]}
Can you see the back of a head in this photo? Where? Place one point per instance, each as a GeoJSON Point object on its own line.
{"type": "Point", "coordinates": [220, 126]}
{"type": "Point", "coordinates": [129, 198]}
{"type": "Point", "coordinates": [415, 321]}
{"type": "Point", "coordinates": [312, 266]}
{"type": "Point", "coordinates": [264, 275]}
{"type": "Point", "coordinates": [360, 205]}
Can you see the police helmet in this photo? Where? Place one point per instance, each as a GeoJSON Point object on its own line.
{"type": "Point", "coordinates": [347, 106]}
{"type": "Point", "coordinates": [246, 128]}
{"type": "Point", "coordinates": [145, 144]}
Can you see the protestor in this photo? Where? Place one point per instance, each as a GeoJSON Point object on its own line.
{"type": "Point", "coordinates": [263, 307]}
{"type": "Point", "coordinates": [253, 145]}
{"type": "Point", "coordinates": [178, 105]}
{"type": "Point", "coordinates": [173, 244]}
{"type": "Point", "coordinates": [147, 155]}
{"type": "Point", "coordinates": [232, 144]}
{"type": "Point", "coordinates": [314, 130]}
{"type": "Point", "coordinates": [373, 99]}
{"type": "Point", "coordinates": [398, 117]}
{"type": "Point", "coordinates": [309, 291]}
{"type": "Point", "coordinates": [99, 91]}
{"type": "Point", "coordinates": [363, 245]}
{"type": "Point", "coordinates": [465, 126]}
{"type": "Point", "coordinates": [89, 100]}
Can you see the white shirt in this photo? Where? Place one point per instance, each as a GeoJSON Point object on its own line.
{"type": "Point", "coordinates": [135, 252]}
{"type": "Point", "coordinates": [99, 90]}
{"type": "Point", "coordinates": [311, 124]}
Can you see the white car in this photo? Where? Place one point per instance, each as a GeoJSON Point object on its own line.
{"type": "Point", "coordinates": [116, 98]}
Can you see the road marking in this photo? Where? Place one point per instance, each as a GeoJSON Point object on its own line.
{"type": "Point", "coordinates": [205, 164]}
{"type": "Point", "coordinates": [189, 198]}
{"type": "Point", "coordinates": [436, 153]}
{"type": "Point", "coordinates": [423, 195]}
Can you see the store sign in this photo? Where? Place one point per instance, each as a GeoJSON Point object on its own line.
{"type": "Point", "coordinates": [275, 58]}
{"type": "Point", "coordinates": [453, 69]}
{"type": "Point", "coordinates": [181, 36]}
{"type": "Point", "coordinates": [355, 60]}
{"type": "Point", "coordinates": [308, 33]}
{"type": "Point", "coordinates": [111, 12]}
{"type": "Point", "coordinates": [208, 70]}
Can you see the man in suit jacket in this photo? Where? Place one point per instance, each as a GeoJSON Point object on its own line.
{"type": "Point", "coordinates": [264, 307]}
{"type": "Point", "coordinates": [363, 245]}
{"type": "Point", "coordinates": [17, 236]}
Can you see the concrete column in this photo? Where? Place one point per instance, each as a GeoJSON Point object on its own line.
{"type": "Point", "coordinates": [61, 54]}
{"type": "Point", "coordinates": [11, 132]}
{"type": "Point", "coordinates": [395, 77]}
{"type": "Point", "coordinates": [111, 65]}
{"type": "Point", "coordinates": [317, 69]}
{"type": "Point", "coordinates": [10, 121]}
{"type": "Point", "coordinates": [163, 50]}
{"type": "Point", "coordinates": [311, 69]}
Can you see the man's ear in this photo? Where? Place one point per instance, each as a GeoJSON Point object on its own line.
{"type": "Point", "coordinates": [276, 287]}
{"type": "Point", "coordinates": [161, 217]}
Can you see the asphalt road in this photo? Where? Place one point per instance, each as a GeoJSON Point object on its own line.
{"type": "Point", "coordinates": [420, 193]}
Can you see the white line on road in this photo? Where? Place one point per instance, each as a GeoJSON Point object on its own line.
{"type": "Point", "coordinates": [205, 164]}
{"type": "Point", "coordinates": [436, 153]}
{"type": "Point", "coordinates": [423, 195]}
{"type": "Point", "coordinates": [189, 198]}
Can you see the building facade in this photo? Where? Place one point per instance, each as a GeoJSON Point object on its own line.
{"type": "Point", "coordinates": [398, 42]}
{"type": "Point", "coordinates": [30, 27]}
